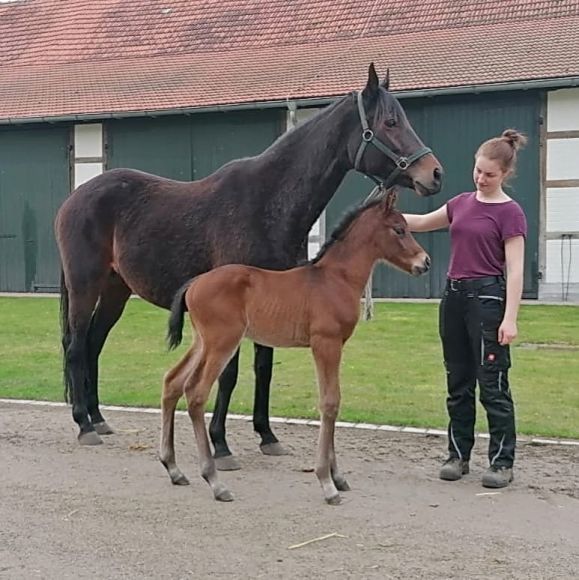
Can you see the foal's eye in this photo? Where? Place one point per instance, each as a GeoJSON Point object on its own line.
{"type": "Point", "coordinates": [390, 122]}
{"type": "Point", "coordinates": [399, 231]}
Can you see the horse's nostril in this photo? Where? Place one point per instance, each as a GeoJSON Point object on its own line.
{"type": "Point", "coordinates": [427, 262]}
{"type": "Point", "coordinates": [437, 173]}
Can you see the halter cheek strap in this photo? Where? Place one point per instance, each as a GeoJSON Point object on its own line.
{"type": "Point", "coordinates": [368, 137]}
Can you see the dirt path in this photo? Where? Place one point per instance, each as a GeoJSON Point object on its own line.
{"type": "Point", "coordinates": [111, 512]}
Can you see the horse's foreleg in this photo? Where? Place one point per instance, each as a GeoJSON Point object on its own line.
{"type": "Point", "coordinates": [262, 366]}
{"type": "Point", "coordinates": [225, 461]}
{"type": "Point", "coordinates": [327, 355]}
{"type": "Point", "coordinates": [173, 388]}
{"type": "Point", "coordinates": [198, 386]}
{"type": "Point", "coordinates": [110, 307]}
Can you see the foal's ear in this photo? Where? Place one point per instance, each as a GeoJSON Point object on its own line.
{"type": "Point", "coordinates": [386, 82]}
{"type": "Point", "coordinates": [390, 198]}
{"type": "Point", "coordinates": [373, 83]}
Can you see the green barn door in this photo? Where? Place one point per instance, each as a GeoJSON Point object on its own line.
{"type": "Point", "coordinates": [189, 147]}
{"type": "Point", "coordinates": [217, 138]}
{"type": "Point", "coordinates": [34, 181]}
{"type": "Point", "coordinates": [454, 127]}
{"type": "Point", "coordinates": [161, 145]}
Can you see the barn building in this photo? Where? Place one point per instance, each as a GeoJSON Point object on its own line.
{"type": "Point", "coordinates": [179, 87]}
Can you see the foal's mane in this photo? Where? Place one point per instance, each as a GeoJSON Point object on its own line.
{"type": "Point", "coordinates": [341, 229]}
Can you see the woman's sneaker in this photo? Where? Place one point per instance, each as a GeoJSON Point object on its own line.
{"type": "Point", "coordinates": [497, 476]}
{"type": "Point", "coordinates": [453, 469]}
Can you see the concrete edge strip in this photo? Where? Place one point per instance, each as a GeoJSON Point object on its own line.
{"type": "Point", "coordinates": [311, 422]}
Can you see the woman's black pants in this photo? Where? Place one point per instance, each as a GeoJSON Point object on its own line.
{"type": "Point", "coordinates": [471, 312]}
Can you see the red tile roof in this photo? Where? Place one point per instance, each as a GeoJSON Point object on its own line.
{"type": "Point", "coordinates": [75, 57]}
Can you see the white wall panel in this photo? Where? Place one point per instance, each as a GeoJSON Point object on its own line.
{"type": "Point", "coordinates": [562, 209]}
{"type": "Point", "coordinates": [85, 171]}
{"type": "Point", "coordinates": [317, 233]}
{"type": "Point", "coordinates": [562, 159]}
{"type": "Point", "coordinates": [562, 261]}
{"type": "Point", "coordinates": [563, 110]}
{"type": "Point", "coordinates": [88, 140]}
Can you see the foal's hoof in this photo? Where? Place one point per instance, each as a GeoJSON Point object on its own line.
{"type": "Point", "coordinates": [276, 449]}
{"type": "Point", "coordinates": [334, 500]}
{"type": "Point", "coordinates": [341, 484]}
{"type": "Point", "coordinates": [227, 463]}
{"type": "Point", "coordinates": [90, 438]}
{"type": "Point", "coordinates": [103, 428]}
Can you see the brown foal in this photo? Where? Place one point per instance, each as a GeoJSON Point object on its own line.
{"type": "Point", "coordinates": [316, 305]}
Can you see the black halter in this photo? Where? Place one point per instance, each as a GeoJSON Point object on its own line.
{"type": "Point", "coordinates": [402, 163]}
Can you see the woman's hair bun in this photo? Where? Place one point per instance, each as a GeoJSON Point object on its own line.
{"type": "Point", "coordinates": [515, 139]}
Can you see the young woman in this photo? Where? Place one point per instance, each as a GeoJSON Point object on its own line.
{"type": "Point", "coordinates": [478, 312]}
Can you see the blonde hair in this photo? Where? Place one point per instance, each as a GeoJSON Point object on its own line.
{"type": "Point", "coordinates": [503, 149]}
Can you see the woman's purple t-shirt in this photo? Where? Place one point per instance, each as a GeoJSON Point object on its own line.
{"type": "Point", "coordinates": [478, 232]}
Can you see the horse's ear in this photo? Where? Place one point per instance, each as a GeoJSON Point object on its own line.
{"type": "Point", "coordinates": [386, 82]}
{"type": "Point", "coordinates": [373, 83]}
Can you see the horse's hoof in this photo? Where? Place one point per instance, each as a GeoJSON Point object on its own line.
{"type": "Point", "coordinates": [90, 438]}
{"type": "Point", "coordinates": [334, 500]}
{"type": "Point", "coordinates": [276, 449]}
{"type": "Point", "coordinates": [227, 463]}
{"type": "Point", "coordinates": [224, 495]}
{"type": "Point", "coordinates": [179, 480]}
{"type": "Point", "coordinates": [103, 428]}
{"type": "Point", "coordinates": [342, 485]}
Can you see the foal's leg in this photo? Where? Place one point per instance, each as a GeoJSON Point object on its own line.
{"type": "Point", "coordinates": [327, 355]}
{"type": "Point", "coordinates": [108, 311]}
{"type": "Point", "coordinates": [224, 459]}
{"type": "Point", "coordinates": [173, 388]}
{"type": "Point", "coordinates": [262, 366]}
{"type": "Point", "coordinates": [212, 360]}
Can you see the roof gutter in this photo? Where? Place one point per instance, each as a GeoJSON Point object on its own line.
{"type": "Point", "coordinates": [556, 83]}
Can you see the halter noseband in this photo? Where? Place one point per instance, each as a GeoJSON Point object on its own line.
{"type": "Point", "coordinates": [402, 163]}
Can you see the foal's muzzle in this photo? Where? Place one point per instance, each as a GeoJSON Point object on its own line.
{"type": "Point", "coordinates": [419, 269]}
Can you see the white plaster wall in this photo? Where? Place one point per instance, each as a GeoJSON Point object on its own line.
{"type": "Point", "coordinates": [85, 171]}
{"type": "Point", "coordinates": [562, 209]}
{"type": "Point", "coordinates": [562, 261]}
{"type": "Point", "coordinates": [560, 255]}
{"type": "Point", "coordinates": [563, 110]}
{"type": "Point", "coordinates": [562, 158]}
{"type": "Point", "coordinates": [88, 140]}
{"type": "Point", "coordinates": [317, 234]}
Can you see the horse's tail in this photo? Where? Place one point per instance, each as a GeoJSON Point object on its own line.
{"type": "Point", "coordinates": [178, 308]}
{"type": "Point", "coordinates": [65, 330]}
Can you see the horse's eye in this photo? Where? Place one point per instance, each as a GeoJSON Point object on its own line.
{"type": "Point", "coordinates": [400, 231]}
{"type": "Point", "coordinates": [390, 122]}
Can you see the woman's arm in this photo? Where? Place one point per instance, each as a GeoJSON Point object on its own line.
{"type": "Point", "coordinates": [514, 260]}
{"type": "Point", "coordinates": [435, 220]}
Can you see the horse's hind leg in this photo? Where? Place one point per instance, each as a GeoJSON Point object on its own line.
{"type": "Point", "coordinates": [109, 309]}
{"type": "Point", "coordinates": [224, 459]}
{"type": "Point", "coordinates": [80, 309]}
{"type": "Point", "coordinates": [173, 387]}
{"type": "Point", "coordinates": [263, 364]}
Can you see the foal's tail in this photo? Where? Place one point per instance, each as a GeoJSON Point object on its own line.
{"type": "Point", "coordinates": [178, 308]}
{"type": "Point", "coordinates": [65, 330]}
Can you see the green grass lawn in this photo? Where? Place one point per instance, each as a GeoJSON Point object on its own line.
{"type": "Point", "coordinates": [392, 370]}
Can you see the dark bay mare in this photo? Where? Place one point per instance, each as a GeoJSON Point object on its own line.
{"type": "Point", "coordinates": [315, 306]}
{"type": "Point", "coordinates": [127, 231]}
